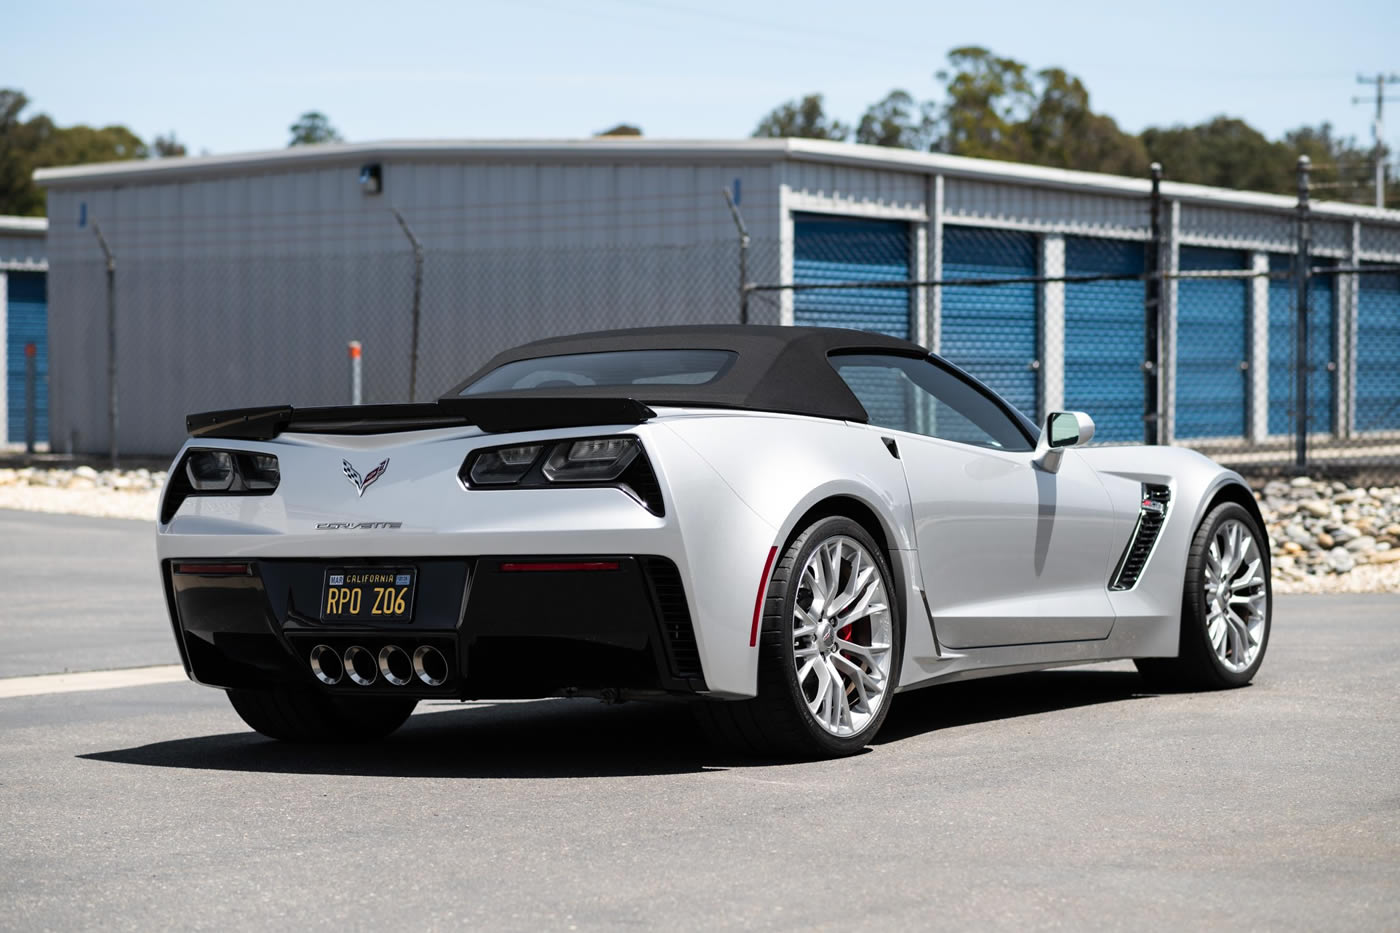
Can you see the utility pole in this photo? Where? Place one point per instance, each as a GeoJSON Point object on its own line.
{"type": "Point", "coordinates": [1378, 127]}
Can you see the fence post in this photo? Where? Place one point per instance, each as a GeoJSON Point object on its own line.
{"type": "Point", "coordinates": [1152, 324]}
{"type": "Point", "coordinates": [417, 305]}
{"type": "Point", "coordinates": [356, 380]}
{"type": "Point", "coordinates": [1301, 271]}
{"type": "Point", "coordinates": [743, 256]}
{"type": "Point", "coordinates": [31, 364]}
{"type": "Point", "coordinates": [111, 344]}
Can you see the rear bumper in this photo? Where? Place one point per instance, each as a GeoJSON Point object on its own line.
{"type": "Point", "coordinates": [506, 634]}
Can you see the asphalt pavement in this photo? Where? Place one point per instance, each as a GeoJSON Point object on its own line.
{"type": "Point", "coordinates": [1068, 799]}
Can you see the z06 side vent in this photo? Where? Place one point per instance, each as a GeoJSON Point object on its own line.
{"type": "Point", "coordinates": [1151, 517]}
{"type": "Point", "coordinates": [678, 634]}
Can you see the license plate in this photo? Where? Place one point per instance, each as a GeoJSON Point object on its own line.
{"type": "Point", "coordinates": [368, 594]}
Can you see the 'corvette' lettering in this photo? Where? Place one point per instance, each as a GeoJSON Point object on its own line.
{"type": "Point", "coordinates": [357, 526]}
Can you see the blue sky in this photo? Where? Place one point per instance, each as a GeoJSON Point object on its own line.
{"type": "Point", "coordinates": [230, 77]}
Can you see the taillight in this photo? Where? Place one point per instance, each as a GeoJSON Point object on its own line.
{"type": "Point", "coordinates": [618, 462]}
{"type": "Point", "coordinates": [595, 460]}
{"type": "Point", "coordinates": [219, 473]}
{"type": "Point", "coordinates": [504, 465]}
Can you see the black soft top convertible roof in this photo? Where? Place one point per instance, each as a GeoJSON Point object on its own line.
{"type": "Point", "coordinates": [778, 369]}
{"type": "Point", "coordinates": [781, 369]}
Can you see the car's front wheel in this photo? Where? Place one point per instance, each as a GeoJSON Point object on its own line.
{"type": "Point", "coordinates": [1226, 606]}
{"type": "Point", "coordinates": [829, 649]}
{"type": "Point", "coordinates": [294, 715]}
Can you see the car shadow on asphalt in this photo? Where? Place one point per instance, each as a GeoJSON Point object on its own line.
{"type": "Point", "coordinates": [583, 738]}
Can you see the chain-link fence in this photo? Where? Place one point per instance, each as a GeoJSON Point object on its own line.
{"type": "Point", "coordinates": [1159, 339]}
{"type": "Point", "coordinates": [1161, 333]}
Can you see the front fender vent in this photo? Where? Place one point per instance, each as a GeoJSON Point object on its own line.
{"type": "Point", "coordinates": [1151, 517]}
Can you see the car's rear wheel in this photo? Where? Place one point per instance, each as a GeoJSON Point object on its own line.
{"type": "Point", "coordinates": [829, 649]}
{"type": "Point", "coordinates": [1226, 606]}
{"type": "Point", "coordinates": [293, 715]}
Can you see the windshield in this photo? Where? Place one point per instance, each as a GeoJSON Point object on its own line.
{"type": "Point", "coordinates": [614, 368]}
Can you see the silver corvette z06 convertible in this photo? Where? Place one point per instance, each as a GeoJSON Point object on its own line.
{"type": "Point", "coordinates": [786, 525]}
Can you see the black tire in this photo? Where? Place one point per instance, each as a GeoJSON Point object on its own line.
{"type": "Point", "coordinates": [778, 722]}
{"type": "Point", "coordinates": [1196, 666]}
{"type": "Point", "coordinates": [292, 715]}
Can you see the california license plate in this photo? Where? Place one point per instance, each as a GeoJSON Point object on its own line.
{"type": "Point", "coordinates": [368, 594]}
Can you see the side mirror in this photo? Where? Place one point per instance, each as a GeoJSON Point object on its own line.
{"type": "Point", "coordinates": [1062, 429]}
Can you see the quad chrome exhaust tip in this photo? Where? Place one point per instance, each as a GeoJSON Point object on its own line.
{"type": "Point", "coordinates": [395, 665]}
{"type": "Point", "coordinates": [430, 666]}
{"type": "Point", "coordinates": [326, 665]}
{"type": "Point", "coordinates": [360, 665]}
{"type": "Point", "coordinates": [363, 667]}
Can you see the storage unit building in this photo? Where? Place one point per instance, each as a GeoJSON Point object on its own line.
{"type": "Point", "coordinates": [241, 278]}
{"type": "Point", "coordinates": [23, 327]}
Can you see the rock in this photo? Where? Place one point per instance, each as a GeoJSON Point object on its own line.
{"type": "Point", "coordinates": [1345, 533]}
{"type": "Point", "coordinates": [1316, 508]}
{"type": "Point", "coordinates": [86, 472]}
{"type": "Point", "coordinates": [1324, 540]}
{"type": "Point", "coordinates": [1386, 557]}
{"type": "Point", "coordinates": [1275, 487]}
{"type": "Point", "coordinates": [1340, 561]}
{"type": "Point", "coordinates": [1293, 547]}
{"type": "Point", "coordinates": [1361, 545]}
{"type": "Point", "coordinates": [1392, 530]}
{"type": "Point", "coordinates": [1345, 497]}
{"type": "Point", "coordinates": [1351, 515]}
{"type": "Point", "coordinates": [1299, 481]}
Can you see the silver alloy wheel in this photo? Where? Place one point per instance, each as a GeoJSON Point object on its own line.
{"type": "Point", "coordinates": [841, 636]}
{"type": "Point", "coordinates": [1237, 597]}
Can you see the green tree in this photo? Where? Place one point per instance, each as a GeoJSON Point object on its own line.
{"type": "Point", "coordinates": [17, 192]}
{"type": "Point", "coordinates": [1225, 152]}
{"type": "Point", "coordinates": [988, 99]}
{"type": "Point", "coordinates": [38, 142]}
{"type": "Point", "coordinates": [1341, 168]}
{"type": "Point", "coordinates": [313, 128]}
{"type": "Point", "coordinates": [805, 118]}
{"type": "Point", "coordinates": [165, 147]}
{"type": "Point", "coordinates": [1063, 131]}
{"type": "Point", "coordinates": [896, 121]}
{"type": "Point", "coordinates": [622, 129]}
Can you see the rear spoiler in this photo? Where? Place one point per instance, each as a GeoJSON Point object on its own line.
{"type": "Point", "coordinates": [493, 414]}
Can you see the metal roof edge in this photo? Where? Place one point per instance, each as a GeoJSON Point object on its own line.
{"type": "Point", "coordinates": [106, 174]}
{"type": "Point", "coordinates": [24, 226]}
{"type": "Point", "coordinates": [937, 163]}
{"type": "Point", "coordinates": [102, 174]}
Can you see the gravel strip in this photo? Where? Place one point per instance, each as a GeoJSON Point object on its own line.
{"type": "Point", "coordinates": [83, 491]}
{"type": "Point", "coordinates": [1326, 537]}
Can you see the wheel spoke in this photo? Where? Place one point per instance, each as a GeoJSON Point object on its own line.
{"type": "Point", "coordinates": [1239, 637]}
{"type": "Point", "coordinates": [1250, 577]}
{"type": "Point", "coordinates": [1215, 627]}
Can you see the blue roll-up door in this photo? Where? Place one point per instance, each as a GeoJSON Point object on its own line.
{"type": "Point", "coordinates": [1104, 337]}
{"type": "Point", "coordinates": [991, 330]}
{"type": "Point", "coordinates": [842, 249]}
{"type": "Point", "coordinates": [26, 322]}
{"type": "Point", "coordinates": [1281, 324]}
{"type": "Point", "coordinates": [1378, 352]}
{"type": "Point", "coordinates": [1322, 337]}
{"type": "Point", "coordinates": [1212, 328]}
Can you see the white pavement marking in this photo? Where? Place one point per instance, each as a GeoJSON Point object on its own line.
{"type": "Point", "coordinates": [44, 684]}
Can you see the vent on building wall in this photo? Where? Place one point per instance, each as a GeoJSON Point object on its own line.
{"type": "Point", "coordinates": [371, 178]}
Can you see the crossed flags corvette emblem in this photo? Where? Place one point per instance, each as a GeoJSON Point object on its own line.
{"type": "Point", "coordinates": [361, 483]}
